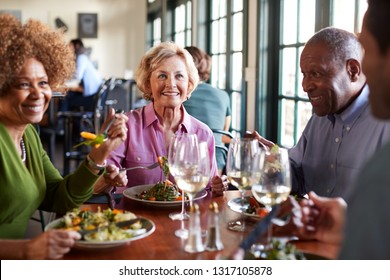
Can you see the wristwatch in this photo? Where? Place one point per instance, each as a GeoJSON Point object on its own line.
{"type": "Point", "coordinates": [94, 165]}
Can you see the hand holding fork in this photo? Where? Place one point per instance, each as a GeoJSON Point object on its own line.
{"type": "Point", "coordinates": [152, 166]}
{"type": "Point", "coordinates": [115, 177]}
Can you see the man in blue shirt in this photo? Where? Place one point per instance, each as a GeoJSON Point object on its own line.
{"type": "Point", "coordinates": [362, 229]}
{"type": "Point", "coordinates": [86, 82]}
{"type": "Point", "coordinates": [342, 133]}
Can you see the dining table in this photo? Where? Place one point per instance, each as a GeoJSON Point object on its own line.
{"type": "Point", "coordinates": [163, 244]}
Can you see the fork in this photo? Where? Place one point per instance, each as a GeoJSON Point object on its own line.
{"type": "Point", "coordinates": [119, 111]}
{"type": "Point", "coordinates": [152, 166]}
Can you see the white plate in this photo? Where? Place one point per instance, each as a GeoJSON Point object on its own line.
{"type": "Point", "coordinates": [82, 244]}
{"type": "Point", "coordinates": [132, 192]}
{"type": "Point", "coordinates": [235, 205]}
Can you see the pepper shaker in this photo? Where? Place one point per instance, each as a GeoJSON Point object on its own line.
{"type": "Point", "coordinates": [194, 241]}
{"type": "Point", "coordinates": [213, 238]}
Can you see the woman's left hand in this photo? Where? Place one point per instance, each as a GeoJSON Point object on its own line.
{"type": "Point", "coordinates": [114, 177]}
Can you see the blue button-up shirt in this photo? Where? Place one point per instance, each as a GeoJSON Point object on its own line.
{"type": "Point", "coordinates": [331, 149]}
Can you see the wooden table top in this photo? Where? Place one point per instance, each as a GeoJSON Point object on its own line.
{"type": "Point", "coordinates": [162, 244]}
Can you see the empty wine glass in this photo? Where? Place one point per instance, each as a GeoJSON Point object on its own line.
{"type": "Point", "coordinates": [274, 185]}
{"type": "Point", "coordinates": [183, 215]}
{"type": "Point", "coordinates": [242, 168]}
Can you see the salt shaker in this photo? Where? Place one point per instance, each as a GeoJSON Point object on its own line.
{"type": "Point", "coordinates": [194, 242]}
{"type": "Point", "coordinates": [213, 238]}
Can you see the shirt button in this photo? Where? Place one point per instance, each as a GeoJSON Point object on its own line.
{"type": "Point", "coordinates": [337, 140]}
{"type": "Point", "coordinates": [348, 128]}
{"type": "Point", "coordinates": [332, 166]}
{"type": "Point", "coordinates": [138, 158]}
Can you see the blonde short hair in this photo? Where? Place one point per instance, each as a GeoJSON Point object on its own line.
{"type": "Point", "coordinates": [152, 60]}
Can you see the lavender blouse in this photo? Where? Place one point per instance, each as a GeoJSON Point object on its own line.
{"type": "Point", "coordinates": [145, 142]}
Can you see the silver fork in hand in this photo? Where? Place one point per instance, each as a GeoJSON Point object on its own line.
{"type": "Point", "coordinates": [152, 166]}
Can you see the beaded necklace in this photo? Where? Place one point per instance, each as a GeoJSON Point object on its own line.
{"type": "Point", "coordinates": [23, 150]}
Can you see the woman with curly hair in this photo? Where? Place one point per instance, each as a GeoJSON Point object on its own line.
{"type": "Point", "coordinates": [34, 61]}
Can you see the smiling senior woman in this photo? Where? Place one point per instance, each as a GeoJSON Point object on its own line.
{"type": "Point", "coordinates": [167, 76]}
{"type": "Point", "coordinates": [34, 61]}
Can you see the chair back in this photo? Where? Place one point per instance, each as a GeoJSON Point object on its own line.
{"type": "Point", "coordinates": [99, 103]}
{"type": "Point", "coordinates": [118, 94]}
{"type": "Point", "coordinates": [221, 151]}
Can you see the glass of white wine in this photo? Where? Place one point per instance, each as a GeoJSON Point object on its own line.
{"type": "Point", "coordinates": [175, 139]}
{"type": "Point", "coordinates": [274, 185]}
{"type": "Point", "coordinates": [192, 163]}
{"type": "Point", "coordinates": [242, 169]}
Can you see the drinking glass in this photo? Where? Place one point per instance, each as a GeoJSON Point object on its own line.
{"type": "Point", "coordinates": [175, 139]}
{"type": "Point", "coordinates": [242, 168]}
{"type": "Point", "coordinates": [192, 165]}
{"type": "Point", "coordinates": [274, 185]}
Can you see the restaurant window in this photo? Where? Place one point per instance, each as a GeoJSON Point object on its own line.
{"type": "Point", "coordinates": [169, 21]}
{"type": "Point", "coordinates": [153, 32]}
{"type": "Point", "coordinates": [202, 24]}
{"type": "Point", "coordinates": [348, 14]}
{"type": "Point", "coordinates": [154, 23]}
{"type": "Point", "coordinates": [288, 108]}
{"type": "Point", "coordinates": [226, 50]}
{"type": "Point", "coordinates": [179, 22]}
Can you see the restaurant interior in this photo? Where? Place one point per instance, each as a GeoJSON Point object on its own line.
{"type": "Point", "coordinates": [255, 48]}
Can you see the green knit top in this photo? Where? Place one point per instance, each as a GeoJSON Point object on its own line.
{"type": "Point", "coordinates": [36, 185]}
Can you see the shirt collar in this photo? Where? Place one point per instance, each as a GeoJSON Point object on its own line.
{"type": "Point", "coordinates": [151, 117]}
{"type": "Point", "coordinates": [354, 110]}
{"type": "Point", "coordinates": [186, 125]}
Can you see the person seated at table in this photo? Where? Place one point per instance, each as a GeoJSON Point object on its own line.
{"type": "Point", "coordinates": [167, 76]}
{"type": "Point", "coordinates": [363, 230]}
{"type": "Point", "coordinates": [359, 225]}
{"type": "Point", "coordinates": [342, 133]}
{"type": "Point", "coordinates": [85, 83]}
{"type": "Point", "coordinates": [36, 60]}
{"type": "Point", "coordinates": [209, 104]}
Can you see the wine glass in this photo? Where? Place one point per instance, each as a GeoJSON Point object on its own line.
{"type": "Point", "coordinates": [192, 163]}
{"type": "Point", "coordinates": [274, 185]}
{"type": "Point", "coordinates": [242, 168]}
{"type": "Point", "coordinates": [175, 139]}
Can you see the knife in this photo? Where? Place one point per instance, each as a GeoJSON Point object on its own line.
{"type": "Point", "coordinates": [259, 229]}
{"type": "Point", "coordinates": [122, 225]}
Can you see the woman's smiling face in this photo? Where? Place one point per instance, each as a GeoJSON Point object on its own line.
{"type": "Point", "coordinates": [169, 83]}
{"type": "Point", "coordinates": [28, 96]}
